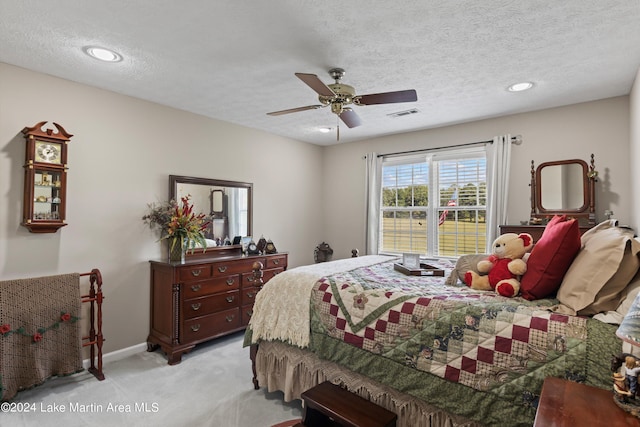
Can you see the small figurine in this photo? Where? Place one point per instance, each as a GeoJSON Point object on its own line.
{"type": "Point", "coordinates": [625, 382]}
{"type": "Point", "coordinates": [631, 371]}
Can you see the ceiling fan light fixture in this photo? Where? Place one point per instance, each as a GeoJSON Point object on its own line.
{"type": "Point", "coordinates": [102, 54]}
{"type": "Point", "coordinates": [519, 87]}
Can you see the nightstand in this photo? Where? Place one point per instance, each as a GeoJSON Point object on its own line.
{"type": "Point", "coordinates": [567, 404]}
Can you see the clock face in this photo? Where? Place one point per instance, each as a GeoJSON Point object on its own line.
{"type": "Point", "coordinates": [270, 248]}
{"type": "Point", "coordinates": [48, 152]}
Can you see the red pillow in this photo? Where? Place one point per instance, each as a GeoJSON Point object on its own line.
{"type": "Point", "coordinates": [550, 258]}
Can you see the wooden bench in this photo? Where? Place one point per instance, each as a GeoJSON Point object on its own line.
{"type": "Point", "coordinates": [328, 405]}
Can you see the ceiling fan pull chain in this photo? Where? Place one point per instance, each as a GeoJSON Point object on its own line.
{"type": "Point", "coordinates": [338, 128]}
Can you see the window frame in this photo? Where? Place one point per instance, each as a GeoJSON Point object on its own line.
{"type": "Point", "coordinates": [433, 210]}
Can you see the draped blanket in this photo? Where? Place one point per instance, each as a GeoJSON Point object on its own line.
{"type": "Point", "coordinates": [39, 331]}
{"type": "Point", "coordinates": [281, 310]}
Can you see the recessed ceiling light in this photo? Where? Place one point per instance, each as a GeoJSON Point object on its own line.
{"type": "Point", "coordinates": [325, 130]}
{"type": "Point", "coordinates": [519, 87]}
{"type": "Point", "coordinates": [102, 54]}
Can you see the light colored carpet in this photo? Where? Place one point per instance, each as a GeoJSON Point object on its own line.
{"type": "Point", "coordinates": [289, 423]}
{"type": "Point", "coordinates": [211, 387]}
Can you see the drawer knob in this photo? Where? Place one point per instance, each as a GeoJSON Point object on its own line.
{"type": "Point", "coordinates": [196, 306]}
{"type": "Point", "coordinates": [251, 294]}
{"type": "Point", "coordinates": [196, 288]}
{"type": "Point", "coordinates": [195, 328]}
{"type": "Point", "coordinates": [229, 318]}
{"type": "Point", "coordinates": [222, 268]}
{"type": "Point", "coordinates": [276, 261]}
{"type": "Point", "coordinates": [250, 279]}
{"type": "Point", "coordinates": [230, 299]}
{"type": "Point", "coordinates": [250, 313]}
{"type": "Point", "coordinates": [196, 273]}
{"type": "Point", "coordinates": [230, 281]}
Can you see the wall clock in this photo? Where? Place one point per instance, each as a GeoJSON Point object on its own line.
{"type": "Point", "coordinates": [45, 178]}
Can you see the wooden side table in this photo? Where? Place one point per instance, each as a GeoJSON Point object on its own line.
{"type": "Point", "coordinates": [567, 404]}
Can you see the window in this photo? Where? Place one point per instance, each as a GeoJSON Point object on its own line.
{"type": "Point", "coordinates": [434, 204]}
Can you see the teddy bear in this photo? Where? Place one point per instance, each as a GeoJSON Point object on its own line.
{"type": "Point", "coordinates": [503, 267]}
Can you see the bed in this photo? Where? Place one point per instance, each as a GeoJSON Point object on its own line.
{"type": "Point", "coordinates": [432, 350]}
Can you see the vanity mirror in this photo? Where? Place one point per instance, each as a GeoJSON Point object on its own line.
{"type": "Point", "coordinates": [227, 205]}
{"type": "Point", "coordinates": [564, 187]}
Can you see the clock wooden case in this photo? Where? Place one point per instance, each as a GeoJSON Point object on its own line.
{"type": "Point", "coordinates": [45, 178]}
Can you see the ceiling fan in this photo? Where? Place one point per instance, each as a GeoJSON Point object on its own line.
{"type": "Point", "coordinates": [339, 96]}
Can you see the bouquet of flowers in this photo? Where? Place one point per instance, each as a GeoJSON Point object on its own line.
{"type": "Point", "coordinates": [178, 223]}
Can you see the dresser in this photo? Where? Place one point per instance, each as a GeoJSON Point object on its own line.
{"type": "Point", "coordinates": [204, 299]}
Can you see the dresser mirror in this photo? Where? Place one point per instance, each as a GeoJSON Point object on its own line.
{"type": "Point", "coordinates": [563, 187]}
{"type": "Point", "coordinates": [226, 204]}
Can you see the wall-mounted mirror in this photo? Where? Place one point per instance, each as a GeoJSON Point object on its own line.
{"type": "Point", "coordinates": [564, 187]}
{"type": "Point", "coordinates": [227, 204]}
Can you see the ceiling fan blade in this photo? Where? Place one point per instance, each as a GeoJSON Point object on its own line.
{"type": "Point", "coordinates": [295, 110]}
{"type": "Point", "coordinates": [316, 84]}
{"type": "Point", "coordinates": [350, 118]}
{"type": "Point", "coordinates": [387, 97]}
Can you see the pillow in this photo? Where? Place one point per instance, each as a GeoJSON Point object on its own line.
{"type": "Point", "coordinates": [550, 258]}
{"type": "Point", "coordinates": [629, 294]}
{"type": "Point", "coordinates": [596, 280]}
{"type": "Point", "coordinates": [464, 264]}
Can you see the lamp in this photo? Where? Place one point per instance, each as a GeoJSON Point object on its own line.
{"type": "Point", "coordinates": [625, 384]}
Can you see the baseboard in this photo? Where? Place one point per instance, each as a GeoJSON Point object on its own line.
{"type": "Point", "coordinates": [118, 354]}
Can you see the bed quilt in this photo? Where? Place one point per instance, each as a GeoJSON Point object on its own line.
{"type": "Point", "coordinates": [490, 353]}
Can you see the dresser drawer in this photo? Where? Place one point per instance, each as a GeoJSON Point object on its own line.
{"type": "Point", "coordinates": [268, 274]}
{"type": "Point", "coordinates": [201, 328]}
{"type": "Point", "coordinates": [210, 304]}
{"type": "Point", "coordinates": [194, 272]}
{"type": "Point", "coordinates": [279, 261]}
{"type": "Point", "coordinates": [249, 295]}
{"type": "Point", "coordinates": [232, 267]}
{"type": "Point", "coordinates": [211, 286]}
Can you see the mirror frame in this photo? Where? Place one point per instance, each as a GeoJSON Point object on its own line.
{"type": "Point", "coordinates": [174, 180]}
{"type": "Point", "coordinates": [586, 212]}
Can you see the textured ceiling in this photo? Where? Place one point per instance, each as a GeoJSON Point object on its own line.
{"type": "Point", "coordinates": [235, 60]}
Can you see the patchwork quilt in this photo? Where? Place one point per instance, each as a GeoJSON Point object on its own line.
{"type": "Point", "coordinates": [455, 339]}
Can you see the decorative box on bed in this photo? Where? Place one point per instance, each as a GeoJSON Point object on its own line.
{"type": "Point", "coordinates": [204, 298]}
{"type": "Point", "coordinates": [435, 354]}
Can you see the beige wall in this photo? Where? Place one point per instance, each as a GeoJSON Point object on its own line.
{"type": "Point", "coordinates": [599, 127]}
{"type": "Point", "coordinates": [634, 157]}
{"type": "Point", "coordinates": [120, 157]}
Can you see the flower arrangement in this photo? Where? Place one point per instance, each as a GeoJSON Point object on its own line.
{"type": "Point", "coordinates": [178, 223]}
